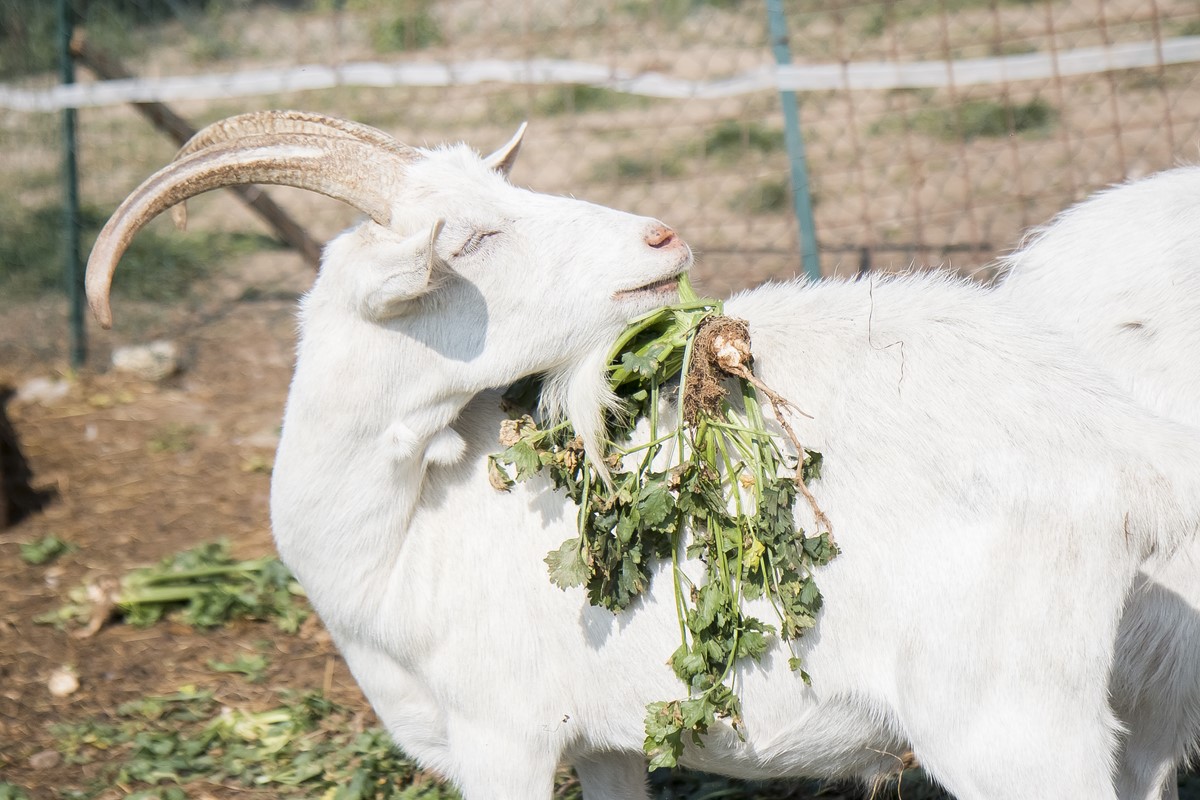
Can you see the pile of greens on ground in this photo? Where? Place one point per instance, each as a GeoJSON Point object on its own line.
{"type": "Point", "coordinates": [203, 587]}
{"type": "Point", "coordinates": [724, 495]}
{"type": "Point", "coordinates": [307, 745]}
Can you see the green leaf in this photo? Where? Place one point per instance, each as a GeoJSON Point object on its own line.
{"type": "Point", "coordinates": [710, 603]}
{"type": "Point", "coordinates": [643, 366]}
{"type": "Point", "coordinates": [697, 713]}
{"type": "Point", "coordinates": [655, 503]}
{"type": "Point", "coordinates": [664, 734]}
{"type": "Point", "coordinates": [687, 664]}
{"type": "Point", "coordinates": [752, 644]}
{"type": "Point", "coordinates": [524, 458]}
{"type": "Point", "coordinates": [566, 565]}
{"type": "Point", "coordinates": [820, 549]}
{"type": "Point", "coordinates": [811, 471]}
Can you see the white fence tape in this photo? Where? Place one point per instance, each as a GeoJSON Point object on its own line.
{"type": "Point", "coordinates": [795, 77]}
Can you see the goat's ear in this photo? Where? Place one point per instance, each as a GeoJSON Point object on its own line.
{"type": "Point", "coordinates": [503, 159]}
{"type": "Point", "coordinates": [408, 271]}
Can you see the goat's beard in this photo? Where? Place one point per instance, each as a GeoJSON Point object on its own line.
{"type": "Point", "coordinates": [580, 393]}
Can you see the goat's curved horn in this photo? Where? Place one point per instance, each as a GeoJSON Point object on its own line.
{"type": "Point", "coordinates": [503, 159]}
{"type": "Point", "coordinates": [346, 169]}
{"type": "Point", "coordinates": [257, 123]}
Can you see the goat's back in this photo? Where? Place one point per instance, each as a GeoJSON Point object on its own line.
{"type": "Point", "coordinates": [1120, 272]}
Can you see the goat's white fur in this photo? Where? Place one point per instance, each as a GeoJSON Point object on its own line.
{"type": "Point", "coordinates": [1121, 273]}
{"type": "Point", "coordinates": [994, 499]}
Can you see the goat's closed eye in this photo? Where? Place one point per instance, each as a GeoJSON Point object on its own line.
{"type": "Point", "coordinates": [473, 243]}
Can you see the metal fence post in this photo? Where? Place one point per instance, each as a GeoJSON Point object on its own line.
{"type": "Point", "coordinates": [801, 196]}
{"type": "Point", "coordinates": [72, 269]}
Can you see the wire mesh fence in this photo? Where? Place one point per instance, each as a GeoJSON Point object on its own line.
{"type": "Point", "coordinates": [944, 171]}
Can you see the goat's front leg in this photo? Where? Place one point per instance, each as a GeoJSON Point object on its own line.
{"type": "Point", "coordinates": [612, 776]}
{"type": "Point", "coordinates": [496, 765]}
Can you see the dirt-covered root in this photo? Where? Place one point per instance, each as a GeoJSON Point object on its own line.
{"type": "Point", "coordinates": [721, 344]}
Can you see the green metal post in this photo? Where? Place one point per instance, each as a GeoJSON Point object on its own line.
{"type": "Point", "coordinates": [72, 269]}
{"type": "Point", "coordinates": [801, 196]}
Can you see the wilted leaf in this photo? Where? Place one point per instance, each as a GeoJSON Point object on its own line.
{"type": "Point", "coordinates": [497, 477]}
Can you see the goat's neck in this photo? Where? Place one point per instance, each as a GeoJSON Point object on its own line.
{"type": "Point", "coordinates": [364, 419]}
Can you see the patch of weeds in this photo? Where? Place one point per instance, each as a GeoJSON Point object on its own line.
{"type": "Point", "coordinates": [173, 438]}
{"type": "Point", "coordinates": [633, 168]}
{"type": "Point", "coordinates": [413, 28]}
{"type": "Point", "coordinates": [157, 267]}
{"type": "Point", "coordinates": [44, 550]}
{"type": "Point", "coordinates": [1190, 28]}
{"type": "Point", "coordinates": [203, 587]}
{"type": "Point", "coordinates": [765, 197]}
{"type": "Point", "coordinates": [252, 665]}
{"type": "Point", "coordinates": [976, 119]}
{"type": "Point", "coordinates": [306, 746]}
{"type": "Point", "coordinates": [578, 98]}
{"type": "Point", "coordinates": [731, 138]}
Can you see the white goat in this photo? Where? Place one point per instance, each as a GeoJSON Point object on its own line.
{"type": "Point", "coordinates": [994, 498]}
{"type": "Point", "coordinates": [1121, 273]}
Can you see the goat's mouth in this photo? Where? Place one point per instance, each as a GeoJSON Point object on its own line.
{"type": "Point", "coordinates": [660, 287]}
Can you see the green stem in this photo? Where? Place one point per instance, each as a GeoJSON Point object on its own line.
{"type": "Point", "coordinates": [625, 451]}
{"type": "Point", "coordinates": [153, 578]}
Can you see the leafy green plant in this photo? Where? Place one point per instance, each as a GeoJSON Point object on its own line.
{"type": "Point", "coordinates": [727, 500]}
{"type": "Point", "coordinates": [44, 550]}
{"type": "Point", "coordinates": [204, 587]}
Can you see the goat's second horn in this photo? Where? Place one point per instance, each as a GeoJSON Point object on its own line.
{"type": "Point", "coordinates": [346, 169]}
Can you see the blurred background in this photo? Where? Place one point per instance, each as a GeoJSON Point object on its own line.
{"type": "Point", "coordinates": [1009, 111]}
{"type": "Point", "coordinates": [778, 138]}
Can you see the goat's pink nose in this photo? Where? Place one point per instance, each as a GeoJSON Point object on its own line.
{"type": "Point", "coordinates": [660, 236]}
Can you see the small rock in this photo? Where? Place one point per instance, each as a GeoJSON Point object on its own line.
{"type": "Point", "coordinates": [53, 576]}
{"type": "Point", "coordinates": [63, 682]}
{"type": "Point", "coordinates": [43, 391]}
{"type": "Point", "coordinates": [47, 759]}
{"type": "Point", "coordinates": [152, 362]}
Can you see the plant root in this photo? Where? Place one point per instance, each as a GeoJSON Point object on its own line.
{"type": "Point", "coordinates": [722, 345]}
